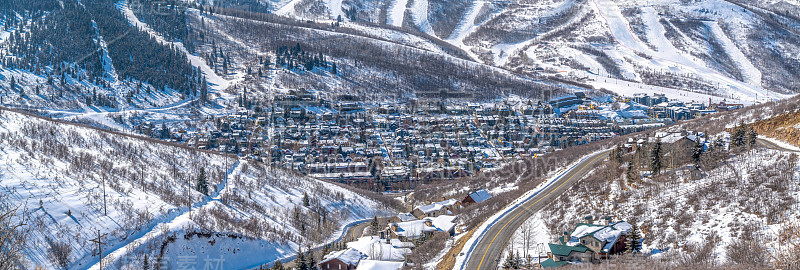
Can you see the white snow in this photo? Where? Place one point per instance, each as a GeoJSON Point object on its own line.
{"type": "Point", "coordinates": [335, 8]}
{"type": "Point", "coordinates": [751, 73]}
{"type": "Point", "coordinates": [669, 58]}
{"type": "Point", "coordinates": [216, 82]}
{"type": "Point", "coordinates": [531, 239]}
{"type": "Point", "coordinates": [379, 265]}
{"type": "Point", "coordinates": [149, 187]}
{"type": "Point", "coordinates": [481, 230]}
{"type": "Point", "coordinates": [288, 8]}
{"type": "Point", "coordinates": [377, 249]}
{"type": "Point", "coordinates": [467, 24]}
{"type": "Point", "coordinates": [397, 12]}
{"type": "Point", "coordinates": [419, 13]}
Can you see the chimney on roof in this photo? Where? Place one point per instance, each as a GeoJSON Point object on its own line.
{"type": "Point", "coordinates": [589, 219]}
{"type": "Point", "coordinates": [607, 220]}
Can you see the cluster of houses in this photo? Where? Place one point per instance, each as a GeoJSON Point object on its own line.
{"type": "Point", "coordinates": [393, 146]}
{"type": "Point", "coordinates": [389, 247]}
{"type": "Point", "coordinates": [588, 243]}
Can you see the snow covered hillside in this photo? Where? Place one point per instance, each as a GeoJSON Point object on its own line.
{"type": "Point", "coordinates": [713, 204]}
{"type": "Point", "coordinates": [700, 50]}
{"type": "Point", "coordinates": [716, 218]}
{"type": "Point", "coordinates": [713, 47]}
{"type": "Point", "coordinates": [71, 182]}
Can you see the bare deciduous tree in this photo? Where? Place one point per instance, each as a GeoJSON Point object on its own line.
{"type": "Point", "coordinates": [11, 238]}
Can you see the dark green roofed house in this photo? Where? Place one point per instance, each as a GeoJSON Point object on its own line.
{"type": "Point", "coordinates": [550, 263]}
{"type": "Point", "coordinates": [566, 253]}
{"type": "Point", "coordinates": [589, 243]}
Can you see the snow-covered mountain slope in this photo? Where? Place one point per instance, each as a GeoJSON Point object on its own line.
{"type": "Point", "coordinates": [711, 46]}
{"type": "Point", "coordinates": [693, 50]}
{"type": "Point", "coordinates": [71, 182]}
{"type": "Point", "coordinates": [750, 200]}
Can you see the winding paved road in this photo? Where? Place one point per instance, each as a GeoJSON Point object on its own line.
{"type": "Point", "coordinates": [771, 145]}
{"type": "Point", "coordinates": [486, 252]}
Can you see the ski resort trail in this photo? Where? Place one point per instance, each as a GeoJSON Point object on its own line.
{"type": "Point", "coordinates": [335, 8]}
{"type": "Point", "coordinates": [216, 82]}
{"type": "Point", "coordinates": [419, 13]}
{"type": "Point", "coordinates": [181, 219]}
{"type": "Point", "coordinates": [467, 24]}
{"type": "Point", "coordinates": [620, 31]}
{"type": "Point", "coordinates": [397, 12]}
{"type": "Point", "coordinates": [751, 73]}
{"type": "Point", "coordinates": [288, 9]}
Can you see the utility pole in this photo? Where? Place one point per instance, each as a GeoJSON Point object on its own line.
{"type": "Point", "coordinates": [99, 242]}
{"type": "Point", "coordinates": [105, 209]}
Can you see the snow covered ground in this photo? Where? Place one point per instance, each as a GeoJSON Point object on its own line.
{"type": "Point", "coordinates": [667, 57]}
{"type": "Point", "coordinates": [216, 82]}
{"type": "Point", "coordinates": [65, 178]}
{"type": "Point", "coordinates": [397, 12]}
{"type": "Point", "coordinates": [753, 196]}
{"type": "Point", "coordinates": [530, 240]}
{"type": "Point", "coordinates": [480, 232]}
{"type": "Point", "coordinates": [419, 13]}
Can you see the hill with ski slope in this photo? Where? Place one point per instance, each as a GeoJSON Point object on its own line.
{"type": "Point", "coordinates": [146, 198]}
{"type": "Point", "coordinates": [721, 205]}
{"type": "Point", "coordinates": [709, 46]}
{"type": "Point", "coordinates": [218, 51]}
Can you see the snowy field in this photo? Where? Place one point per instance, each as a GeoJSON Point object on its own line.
{"type": "Point", "coordinates": [71, 182]}
{"type": "Point", "coordinates": [754, 196]}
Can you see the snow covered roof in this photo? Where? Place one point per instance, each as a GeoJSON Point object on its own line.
{"type": "Point", "coordinates": [437, 205]}
{"type": "Point", "coordinates": [377, 249]}
{"type": "Point", "coordinates": [379, 265]}
{"type": "Point", "coordinates": [480, 195]}
{"type": "Point", "coordinates": [349, 256]}
{"type": "Point", "coordinates": [582, 230]}
{"type": "Point", "coordinates": [406, 217]}
{"type": "Point", "coordinates": [667, 137]}
{"type": "Point", "coordinates": [443, 223]}
{"type": "Point", "coordinates": [606, 234]}
{"type": "Point", "coordinates": [412, 229]}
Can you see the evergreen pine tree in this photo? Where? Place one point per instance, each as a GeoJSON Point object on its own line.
{"type": "Point", "coordinates": [739, 135]}
{"type": "Point", "coordinates": [300, 260]}
{"type": "Point", "coordinates": [164, 131]}
{"type": "Point", "coordinates": [634, 244]}
{"type": "Point", "coordinates": [752, 136]}
{"type": "Point", "coordinates": [310, 261]}
{"type": "Point", "coordinates": [375, 224]}
{"type": "Point", "coordinates": [278, 266]}
{"type": "Point", "coordinates": [697, 152]}
{"type": "Point", "coordinates": [511, 262]}
{"type": "Point", "coordinates": [146, 263]}
{"type": "Point", "coordinates": [306, 201]}
{"type": "Point", "coordinates": [630, 172]}
{"type": "Point", "coordinates": [202, 185]}
{"type": "Point", "coordinates": [333, 69]}
{"type": "Point", "coordinates": [616, 154]}
{"type": "Point", "coordinates": [655, 155]}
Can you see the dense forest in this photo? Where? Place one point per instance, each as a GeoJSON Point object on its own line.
{"type": "Point", "coordinates": [296, 58]}
{"type": "Point", "coordinates": [73, 38]}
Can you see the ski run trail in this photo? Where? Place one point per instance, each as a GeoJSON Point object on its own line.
{"type": "Point", "coordinates": [175, 224]}
{"type": "Point", "coordinates": [397, 12]}
{"type": "Point", "coordinates": [669, 58]}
